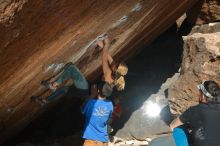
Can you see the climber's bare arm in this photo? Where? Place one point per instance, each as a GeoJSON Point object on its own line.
{"type": "Point", "coordinates": [175, 123]}
{"type": "Point", "coordinates": [106, 59]}
{"type": "Point", "coordinates": [110, 59]}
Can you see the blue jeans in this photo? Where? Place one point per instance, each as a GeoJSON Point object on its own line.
{"type": "Point", "coordinates": [80, 83]}
{"type": "Point", "coordinates": [72, 72]}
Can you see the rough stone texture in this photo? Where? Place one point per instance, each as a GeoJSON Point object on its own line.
{"type": "Point", "coordinates": [196, 67]}
{"type": "Point", "coordinates": [141, 126]}
{"type": "Point", "coordinates": [206, 28]}
{"type": "Point", "coordinates": [38, 37]}
{"type": "Point", "coordinates": [8, 8]}
{"type": "Point", "coordinates": [205, 11]}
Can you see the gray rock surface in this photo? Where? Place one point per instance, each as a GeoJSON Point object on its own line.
{"type": "Point", "coordinates": [163, 141]}
{"type": "Point", "coordinates": [141, 125]}
{"type": "Point", "coordinates": [206, 28]}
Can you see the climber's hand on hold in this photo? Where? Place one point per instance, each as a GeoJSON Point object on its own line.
{"type": "Point", "coordinates": [106, 41]}
{"type": "Point", "coordinates": [100, 43]}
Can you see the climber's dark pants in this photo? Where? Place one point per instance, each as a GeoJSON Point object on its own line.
{"type": "Point", "coordinates": [80, 87]}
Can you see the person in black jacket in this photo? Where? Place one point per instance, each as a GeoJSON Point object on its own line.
{"type": "Point", "coordinates": [204, 118]}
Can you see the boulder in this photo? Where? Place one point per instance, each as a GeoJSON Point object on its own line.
{"type": "Point", "coordinates": [39, 37]}
{"type": "Point", "coordinates": [205, 11]}
{"type": "Point", "coordinates": [200, 62]}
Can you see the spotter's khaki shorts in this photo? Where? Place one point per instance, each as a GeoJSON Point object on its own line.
{"type": "Point", "coordinates": [94, 143]}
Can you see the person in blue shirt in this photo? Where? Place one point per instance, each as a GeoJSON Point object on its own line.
{"type": "Point", "coordinates": [97, 113]}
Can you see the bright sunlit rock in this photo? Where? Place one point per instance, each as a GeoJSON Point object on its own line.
{"type": "Point", "coordinates": [152, 109]}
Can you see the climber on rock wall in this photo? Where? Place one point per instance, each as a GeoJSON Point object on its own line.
{"type": "Point", "coordinates": [70, 73]}
{"type": "Point", "coordinates": [113, 72]}
{"type": "Point", "coordinates": [113, 76]}
{"type": "Point", "coordinates": [202, 119]}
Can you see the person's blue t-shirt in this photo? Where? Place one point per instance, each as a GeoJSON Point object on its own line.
{"type": "Point", "coordinates": [97, 113]}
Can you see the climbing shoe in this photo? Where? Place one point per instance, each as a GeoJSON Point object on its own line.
{"type": "Point", "coordinates": [38, 100]}
{"type": "Point", "coordinates": [47, 84]}
{"type": "Point", "coordinates": [34, 98]}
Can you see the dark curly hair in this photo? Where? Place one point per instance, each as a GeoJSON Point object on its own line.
{"type": "Point", "coordinates": [213, 88]}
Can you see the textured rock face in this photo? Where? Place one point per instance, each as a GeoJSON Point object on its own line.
{"type": "Point", "coordinates": [205, 11]}
{"type": "Point", "coordinates": [8, 8]}
{"type": "Point", "coordinates": [200, 63]}
{"type": "Point", "coordinates": [38, 37]}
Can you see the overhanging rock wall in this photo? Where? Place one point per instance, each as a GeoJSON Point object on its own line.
{"type": "Point", "coordinates": [37, 37]}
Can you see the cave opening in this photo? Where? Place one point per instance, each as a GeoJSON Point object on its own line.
{"type": "Point", "coordinates": [147, 71]}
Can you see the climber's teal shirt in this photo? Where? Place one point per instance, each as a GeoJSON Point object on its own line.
{"type": "Point", "coordinates": [97, 113]}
